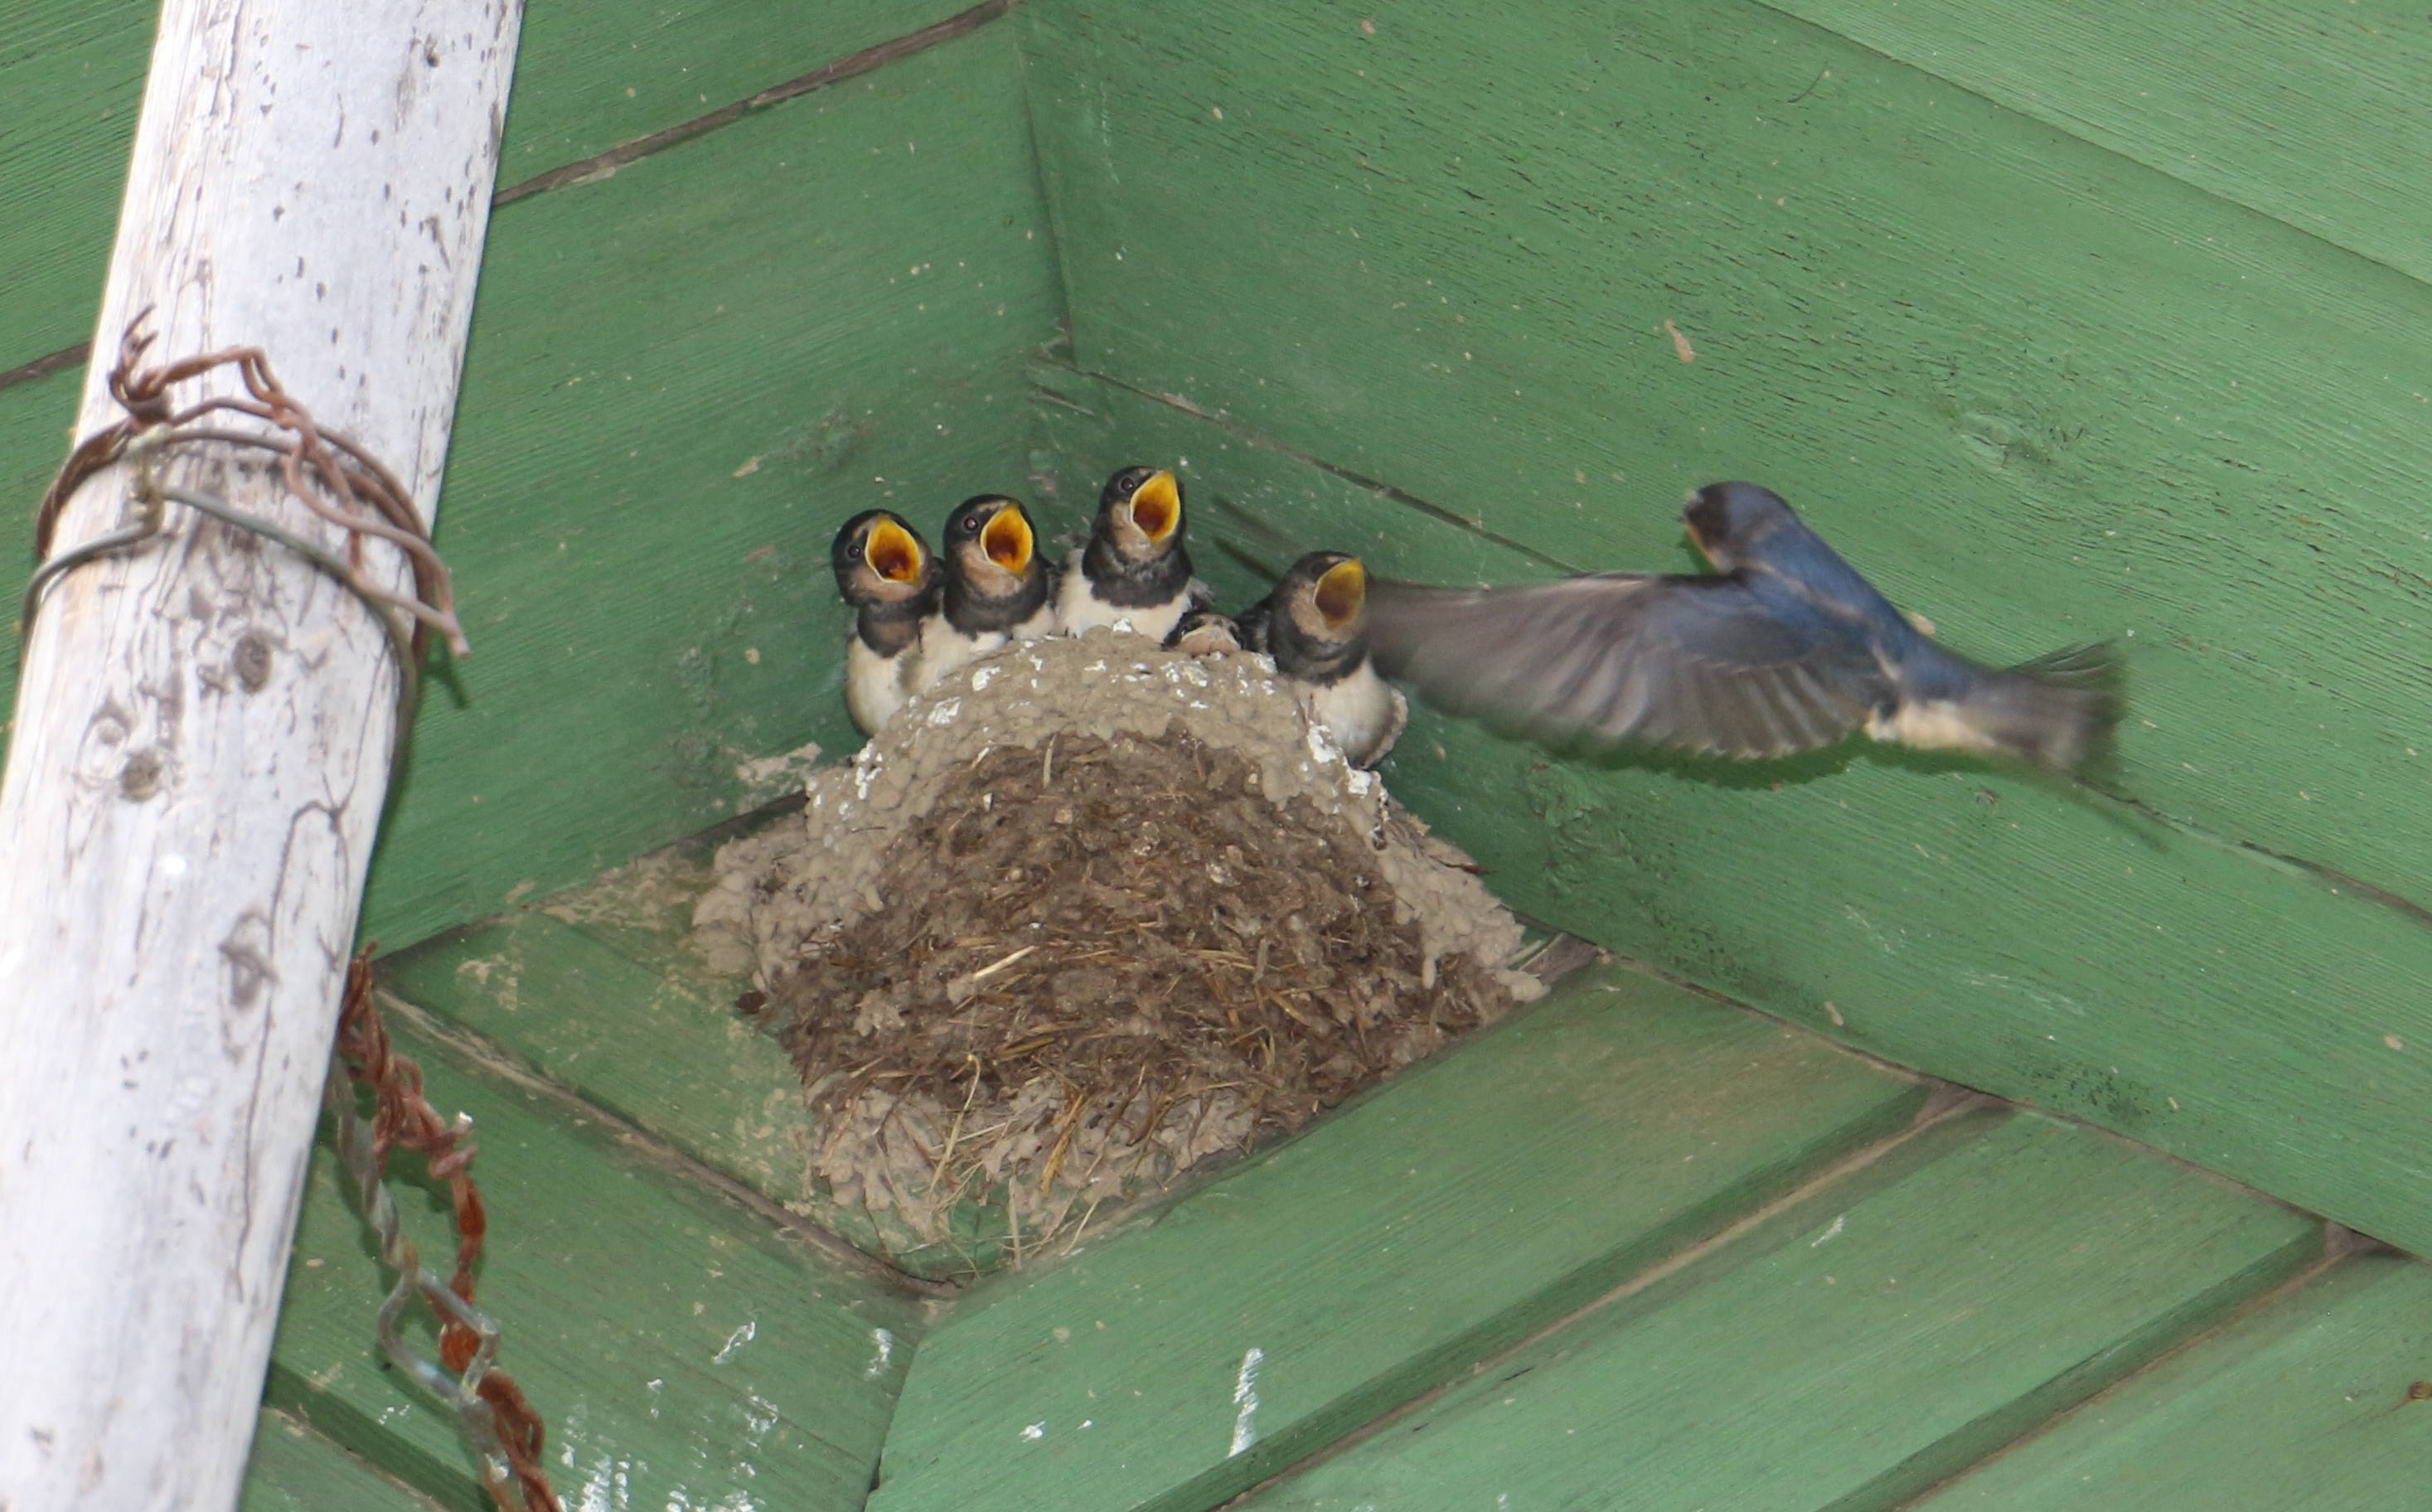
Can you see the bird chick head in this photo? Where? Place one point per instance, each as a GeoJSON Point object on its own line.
{"type": "Point", "coordinates": [1140, 511]}
{"type": "Point", "coordinates": [880, 559]}
{"type": "Point", "coordinates": [993, 544]}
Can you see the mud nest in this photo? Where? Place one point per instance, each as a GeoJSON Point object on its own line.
{"type": "Point", "coordinates": [1088, 916]}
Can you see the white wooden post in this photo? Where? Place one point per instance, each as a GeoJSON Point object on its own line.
{"type": "Point", "coordinates": [201, 744]}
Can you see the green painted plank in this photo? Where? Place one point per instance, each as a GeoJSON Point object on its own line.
{"type": "Point", "coordinates": [294, 1469]}
{"type": "Point", "coordinates": [2038, 391]}
{"type": "Point", "coordinates": [588, 77]}
{"type": "Point", "coordinates": [2304, 1405]}
{"type": "Point", "coordinates": [680, 380]}
{"type": "Point", "coordinates": [2315, 111]}
{"type": "Point", "coordinates": [680, 1351]}
{"type": "Point", "coordinates": [1377, 1255]}
{"type": "Point", "coordinates": [1969, 924]}
{"type": "Point", "coordinates": [1853, 1352]}
{"type": "Point", "coordinates": [71, 73]}
{"type": "Point", "coordinates": [596, 991]}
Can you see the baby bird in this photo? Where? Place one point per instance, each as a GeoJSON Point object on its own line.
{"type": "Point", "coordinates": [1312, 625]}
{"type": "Point", "coordinates": [1784, 647]}
{"type": "Point", "coordinates": [885, 570]}
{"type": "Point", "coordinates": [1205, 633]}
{"type": "Point", "coordinates": [1135, 568]}
{"type": "Point", "coordinates": [998, 588]}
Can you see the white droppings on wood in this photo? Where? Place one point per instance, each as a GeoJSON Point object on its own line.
{"type": "Point", "coordinates": [1245, 1400]}
{"type": "Point", "coordinates": [750, 1331]}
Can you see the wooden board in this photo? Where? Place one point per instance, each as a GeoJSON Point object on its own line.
{"type": "Point", "coordinates": [680, 1349]}
{"type": "Point", "coordinates": [1897, 897]}
{"type": "Point", "coordinates": [1378, 1255]}
{"type": "Point", "coordinates": [1995, 932]}
{"type": "Point", "coordinates": [648, 623]}
{"type": "Point", "coordinates": [2305, 1405]}
{"type": "Point", "coordinates": [596, 991]}
{"type": "Point", "coordinates": [2040, 392]}
{"type": "Point", "coordinates": [1853, 1351]}
{"type": "Point", "coordinates": [296, 1470]}
{"type": "Point", "coordinates": [683, 379]}
{"type": "Point", "coordinates": [2309, 110]}
{"type": "Point", "coordinates": [71, 72]}
{"type": "Point", "coordinates": [590, 78]}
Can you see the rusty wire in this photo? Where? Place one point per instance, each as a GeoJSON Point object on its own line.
{"type": "Point", "coordinates": [499, 1424]}
{"type": "Point", "coordinates": [363, 496]}
{"type": "Point", "coordinates": [342, 484]}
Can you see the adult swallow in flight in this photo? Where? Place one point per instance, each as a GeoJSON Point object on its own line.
{"type": "Point", "coordinates": [1783, 648]}
{"type": "Point", "coordinates": [998, 588]}
{"type": "Point", "coordinates": [1135, 568]}
{"type": "Point", "coordinates": [1311, 624]}
{"type": "Point", "coordinates": [885, 570]}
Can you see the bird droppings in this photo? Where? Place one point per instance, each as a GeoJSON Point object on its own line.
{"type": "Point", "coordinates": [1072, 924]}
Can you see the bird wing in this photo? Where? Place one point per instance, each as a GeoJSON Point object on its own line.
{"type": "Point", "coordinates": [1697, 663]}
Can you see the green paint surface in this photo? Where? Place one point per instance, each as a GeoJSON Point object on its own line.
{"type": "Point", "coordinates": [2038, 391]}
{"type": "Point", "coordinates": [1375, 1256]}
{"type": "Point", "coordinates": [597, 991]}
{"type": "Point", "coordinates": [1853, 1351]}
{"type": "Point", "coordinates": [679, 1350]}
{"type": "Point", "coordinates": [2310, 110]}
{"type": "Point", "coordinates": [2305, 1405]}
{"type": "Point", "coordinates": [294, 1469]}
{"type": "Point", "coordinates": [1968, 922]}
{"type": "Point", "coordinates": [588, 76]}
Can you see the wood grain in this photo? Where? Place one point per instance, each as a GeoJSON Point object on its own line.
{"type": "Point", "coordinates": [2313, 111]}
{"type": "Point", "coordinates": [596, 991]}
{"type": "Point", "coordinates": [591, 76]}
{"type": "Point", "coordinates": [2040, 392]}
{"type": "Point", "coordinates": [1375, 1256]}
{"type": "Point", "coordinates": [2307, 1404]}
{"type": "Point", "coordinates": [182, 848]}
{"type": "Point", "coordinates": [294, 1469]}
{"type": "Point", "coordinates": [1851, 1353]}
{"type": "Point", "coordinates": [1973, 925]}
{"type": "Point", "coordinates": [683, 379]}
{"type": "Point", "coordinates": [680, 1352]}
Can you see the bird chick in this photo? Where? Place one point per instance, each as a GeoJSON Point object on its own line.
{"type": "Point", "coordinates": [998, 587]}
{"type": "Point", "coordinates": [1784, 648]}
{"type": "Point", "coordinates": [1135, 568]}
{"type": "Point", "coordinates": [1205, 633]}
{"type": "Point", "coordinates": [886, 572]}
{"type": "Point", "coordinates": [1312, 626]}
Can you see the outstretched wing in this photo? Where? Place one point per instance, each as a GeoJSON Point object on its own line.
{"type": "Point", "coordinates": [1694, 663]}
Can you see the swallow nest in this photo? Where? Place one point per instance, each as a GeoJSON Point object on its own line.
{"type": "Point", "coordinates": [1086, 915]}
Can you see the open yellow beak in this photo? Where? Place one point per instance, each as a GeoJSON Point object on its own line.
{"type": "Point", "coordinates": [1007, 541]}
{"type": "Point", "coordinates": [1156, 506]}
{"type": "Point", "coordinates": [892, 553]}
{"type": "Point", "coordinates": [1341, 592]}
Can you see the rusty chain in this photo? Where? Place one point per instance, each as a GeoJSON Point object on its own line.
{"type": "Point", "coordinates": [500, 1425]}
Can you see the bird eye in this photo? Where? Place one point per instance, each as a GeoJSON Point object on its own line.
{"type": "Point", "coordinates": [971, 524]}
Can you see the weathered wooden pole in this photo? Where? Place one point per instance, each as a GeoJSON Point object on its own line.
{"type": "Point", "coordinates": [202, 737]}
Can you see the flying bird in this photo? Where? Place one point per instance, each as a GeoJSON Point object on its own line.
{"type": "Point", "coordinates": [1784, 648]}
{"type": "Point", "coordinates": [884, 571]}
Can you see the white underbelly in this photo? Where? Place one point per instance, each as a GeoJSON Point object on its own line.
{"type": "Point", "coordinates": [1079, 609]}
{"type": "Point", "coordinates": [874, 686]}
{"type": "Point", "coordinates": [1362, 713]}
